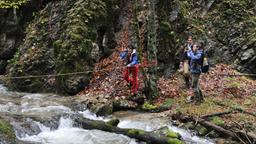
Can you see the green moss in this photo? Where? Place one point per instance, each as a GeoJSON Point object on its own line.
{"type": "Point", "coordinates": [76, 36]}
{"type": "Point", "coordinates": [175, 141]}
{"type": "Point", "coordinates": [103, 110]}
{"type": "Point", "coordinates": [167, 103]}
{"type": "Point", "coordinates": [218, 121]}
{"type": "Point", "coordinates": [148, 106]}
{"type": "Point", "coordinates": [6, 130]}
{"type": "Point", "coordinates": [135, 132]}
{"type": "Point", "coordinates": [113, 122]}
{"type": "Point", "coordinates": [172, 134]}
{"type": "Point", "coordinates": [234, 84]}
{"type": "Point", "coordinates": [203, 131]}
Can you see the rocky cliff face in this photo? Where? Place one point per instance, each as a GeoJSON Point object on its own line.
{"type": "Point", "coordinates": [65, 36]}
{"type": "Point", "coordinates": [10, 32]}
{"type": "Point", "coordinates": [12, 24]}
{"type": "Point", "coordinates": [226, 28]}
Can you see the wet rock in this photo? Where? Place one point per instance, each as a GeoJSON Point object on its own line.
{"type": "Point", "coordinates": [3, 65]}
{"type": "Point", "coordinates": [7, 135]}
{"type": "Point", "coordinates": [102, 109]}
{"type": "Point", "coordinates": [203, 131]}
{"type": "Point", "coordinates": [190, 125]}
{"type": "Point", "coordinates": [113, 122]}
{"type": "Point", "coordinates": [75, 84]}
{"type": "Point", "coordinates": [10, 34]}
{"type": "Point", "coordinates": [165, 131]}
{"type": "Point", "coordinates": [247, 54]}
{"type": "Point", "coordinates": [213, 134]}
{"type": "Point", "coordinates": [124, 105]}
{"type": "Point", "coordinates": [7, 47]}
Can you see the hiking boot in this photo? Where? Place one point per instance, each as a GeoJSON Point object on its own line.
{"type": "Point", "coordinates": [190, 99]}
{"type": "Point", "coordinates": [199, 101]}
{"type": "Point", "coordinates": [201, 96]}
{"type": "Point", "coordinates": [129, 85]}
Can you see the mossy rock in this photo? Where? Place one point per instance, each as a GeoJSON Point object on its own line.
{"type": "Point", "coordinates": [172, 134]}
{"type": "Point", "coordinates": [136, 132]}
{"type": "Point", "coordinates": [203, 131]}
{"type": "Point", "coordinates": [102, 109]}
{"type": "Point", "coordinates": [175, 141]}
{"type": "Point", "coordinates": [190, 125]}
{"type": "Point", "coordinates": [165, 131]}
{"type": "Point", "coordinates": [113, 122]}
{"type": "Point", "coordinates": [213, 134]}
{"type": "Point", "coordinates": [148, 106]}
{"type": "Point", "coordinates": [6, 132]}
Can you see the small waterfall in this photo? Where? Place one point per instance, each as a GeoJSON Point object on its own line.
{"type": "Point", "coordinates": [3, 89]}
{"type": "Point", "coordinates": [151, 122]}
{"type": "Point", "coordinates": [67, 134]}
{"type": "Point", "coordinates": [189, 137]}
{"type": "Point", "coordinates": [92, 116]}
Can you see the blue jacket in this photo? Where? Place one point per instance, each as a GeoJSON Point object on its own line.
{"type": "Point", "coordinates": [195, 61]}
{"type": "Point", "coordinates": [131, 60]}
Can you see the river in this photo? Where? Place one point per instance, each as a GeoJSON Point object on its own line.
{"type": "Point", "coordinates": [49, 119]}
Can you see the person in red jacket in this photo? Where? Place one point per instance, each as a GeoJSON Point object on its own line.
{"type": "Point", "coordinates": [131, 67]}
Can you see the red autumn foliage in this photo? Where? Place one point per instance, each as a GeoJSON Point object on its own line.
{"type": "Point", "coordinates": [220, 81]}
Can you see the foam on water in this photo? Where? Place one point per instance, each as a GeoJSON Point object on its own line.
{"type": "Point", "coordinates": [149, 125]}
{"type": "Point", "coordinates": [9, 107]}
{"type": "Point", "coordinates": [136, 125]}
{"type": "Point", "coordinates": [92, 116]}
{"type": "Point", "coordinates": [189, 137]}
{"type": "Point", "coordinates": [60, 109]}
{"type": "Point", "coordinates": [3, 89]}
{"type": "Point", "coordinates": [67, 134]}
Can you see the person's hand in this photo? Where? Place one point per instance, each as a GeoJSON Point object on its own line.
{"type": "Point", "coordinates": [189, 53]}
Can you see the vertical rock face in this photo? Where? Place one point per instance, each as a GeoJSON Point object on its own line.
{"type": "Point", "coordinates": [65, 37]}
{"type": "Point", "coordinates": [9, 35]}
{"type": "Point", "coordinates": [172, 32]}
{"type": "Point", "coordinates": [12, 23]}
{"type": "Point", "coordinates": [226, 28]}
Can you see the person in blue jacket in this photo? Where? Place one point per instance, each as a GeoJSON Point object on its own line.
{"type": "Point", "coordinates": [195, 65]}
{"type": "Point", "coordinates": [132, 62]}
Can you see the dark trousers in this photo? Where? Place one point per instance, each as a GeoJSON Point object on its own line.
{"type": "Point", "coordinates": [196, 88]}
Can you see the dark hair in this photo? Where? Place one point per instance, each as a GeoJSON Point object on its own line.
{"type": "Point", "coordinates": [131, 47]}
{"type": "Point", "coordinates": [197, 44]}
{"type": "Point", "coordinates": [189, 34]}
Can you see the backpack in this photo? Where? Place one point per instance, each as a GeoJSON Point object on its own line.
{"type": "Point", "coordinates": [205, 63]}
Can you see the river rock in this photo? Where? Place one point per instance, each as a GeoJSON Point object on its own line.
{"type": "Point", "coordinates": [102, 109]}
{"type": "Point", "coordinates": [3, 65]}
{"type": "Point", "coordinates": [7, 135]}
{"type": "Point", "coordinates": [249, 53]}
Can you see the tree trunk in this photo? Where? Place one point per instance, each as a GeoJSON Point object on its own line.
{"type": "Point", "coordinates": [151, 83]}
{"type": "Point", "coordinates": [235, 135]}
{"type": "Point", "coordinates": [140, 135]}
